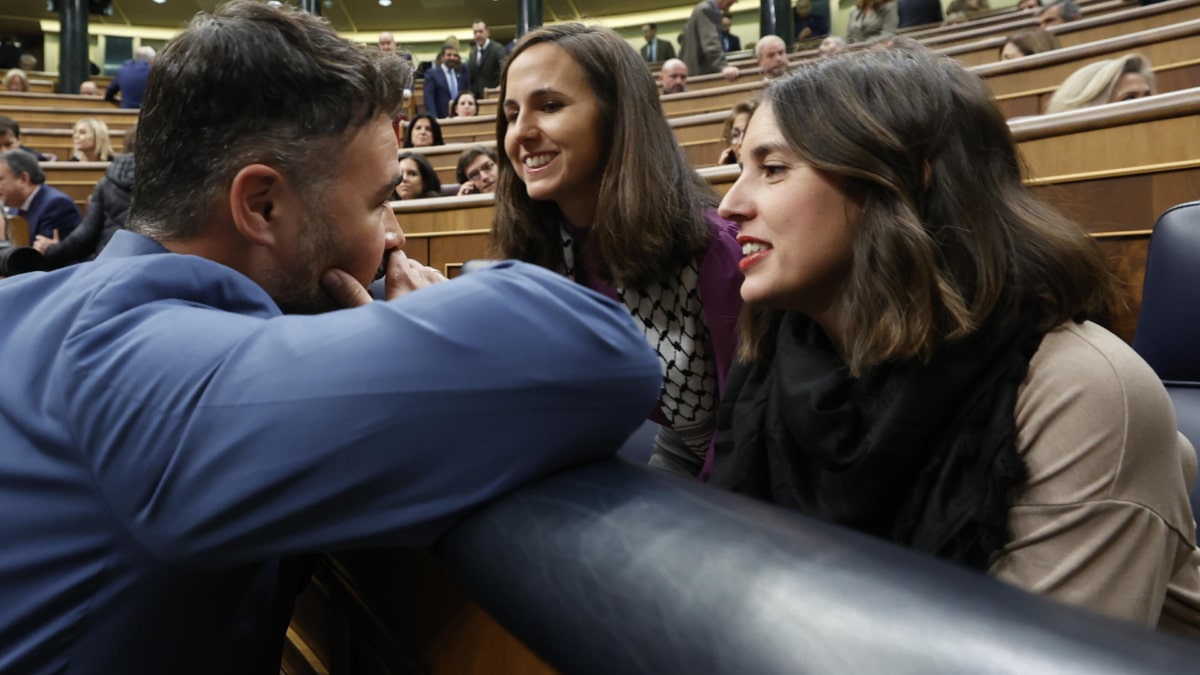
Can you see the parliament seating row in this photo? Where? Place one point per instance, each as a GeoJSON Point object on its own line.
{"type": "Point", "coordinates": [1103, 167]}
{"type": "Point", "coordinates": [34, 113]}
{"type": "Point", "coordinates": [985, 40]}
{"type": "Point", "coordinates": [1085, 30]}
{"type": "Point", "coordinates": [50, 99]}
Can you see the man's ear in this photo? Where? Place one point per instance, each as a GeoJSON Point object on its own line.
{"type": "Point", "coordinates": [263, 204]}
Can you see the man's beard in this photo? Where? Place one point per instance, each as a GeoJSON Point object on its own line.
{"type": "Point", "coordinates": [297, 288]}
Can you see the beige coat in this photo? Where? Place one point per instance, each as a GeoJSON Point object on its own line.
{"type": "Point", "coordinates": [1104, 521]}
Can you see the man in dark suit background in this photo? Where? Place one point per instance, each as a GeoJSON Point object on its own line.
{"type": "Point", "coordinates": [50, 212]}
{"type": "Point", "coordinates": [487, 57]}
{"type": "Point", "coordinates": [656, 50]}
{"type": "Point", "coordinates": [442, 83]}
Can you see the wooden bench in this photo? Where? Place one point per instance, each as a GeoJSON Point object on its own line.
{"type": "Point", "coordinates": [1086, 30]}
{"type": "Point", "coordinates": [1108, 168]}
{"type": "Point", "coordinates": [52, 100]}
{"type": "Point", "coordinates": [61, 142]}
{"type": "Point", "coordinates": [77, 179]}
{"type": "Point", "coordinates": [65, 118]}
{"type": "Point", "coordinates": [1173, 46]}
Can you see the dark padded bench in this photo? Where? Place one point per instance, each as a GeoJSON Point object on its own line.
{"type": "Point", "coordinates": [614, 568]}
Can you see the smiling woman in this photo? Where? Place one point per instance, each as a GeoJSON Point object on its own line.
{"type": "Point", "coordinates": [916, 362]}
{"type": "Point", "coordinates": [592, 183]}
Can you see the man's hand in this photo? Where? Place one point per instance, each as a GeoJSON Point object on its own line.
{"type": "Point", "coordinates": [730, 73]}
{"type": "Point", "coordinates": [42, 242]}
{"type": "Point", "coordinates": [403, 275]}
{"type": "Point", "coordinates": [467, 188]}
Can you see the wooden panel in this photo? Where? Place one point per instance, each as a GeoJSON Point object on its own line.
{"type": "Point", "coordinates": [80, 191]}
{"type": "Point", "coordinates": [445, 214]}
{"type": "Point", "coordinates": [456, 249]}
{"type": "Point", "coordinates": [1118, 205]}
{"type": "Point", "coordinates": [397, 611]}
{"type": "Point", "coordinates": [50, 100]}
{"type": "Point", "coordinates": [417, 248]}
{"type": "Point", "coordinates": [61, 141]}
{"type": "Point", "coordinates": [469, 129]}
{"type": "Point", "coordinates": [1086, 31]}
{"type": "Point", "coordinates": [1114, 148]}
{"type": "Point", "coordinates": [711, 100]}
{"type": "Point", "coordinates": [65, 118]}
{"type": "Point", "coordinates": [74, 172]}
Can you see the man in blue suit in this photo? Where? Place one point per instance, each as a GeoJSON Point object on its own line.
{"type": "Point", "coordinates": [444, 82]}
{"type": "Point", "coordinates": [183, 418]}
{"type": "Point", "coordinates": [50, 212]}
{"type": "Point", "coordinates": [130, 80]}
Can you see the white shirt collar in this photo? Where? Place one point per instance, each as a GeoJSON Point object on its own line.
{"type": "Point", "coordinates": [29, 200]}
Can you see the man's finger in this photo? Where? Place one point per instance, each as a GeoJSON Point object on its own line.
{"type": "Point", "coordinates": [344, 289]}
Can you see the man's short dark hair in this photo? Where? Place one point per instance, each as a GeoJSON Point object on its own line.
{"type": "Point", "coordinates": [251, 83]}
{"type": "Point", "coordinates": [653, 27]}
{"type": "Point", "coordinates": [470, 155]}
{"type": "Point", "coordinates": [445, 47]}
{"type": "Point", "coordinates": [8, 124]}
{"type": "Point", "coordinates": [20, 162]}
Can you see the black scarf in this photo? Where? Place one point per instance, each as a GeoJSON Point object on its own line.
{"type": "Point", "coordinates": [923, 455]}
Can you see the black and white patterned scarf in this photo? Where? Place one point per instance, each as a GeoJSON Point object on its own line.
{"type": "Point", "coordinates": [672, 318]}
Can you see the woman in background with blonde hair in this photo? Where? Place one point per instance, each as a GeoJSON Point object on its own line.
{"type": "Point", "coordinates": [91, 141]}
{"type": "Point", "coordinates": [1111, 81]}
{"type": "Point", "coordinates": [16, 80]}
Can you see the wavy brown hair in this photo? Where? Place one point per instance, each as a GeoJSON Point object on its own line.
{"type": "Point", "coordinates": [949, 237]}
{"type": "Point", "coordinates": [650, 219]}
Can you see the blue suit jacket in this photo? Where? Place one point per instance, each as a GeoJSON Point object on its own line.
{"type": "Point", "coordinates": [130, 81]}
{"type": "Point", "coordinates": [437, 89]}
{"type": "Point", "coordinates": [169, 438]}
{"type": "Point", "coordinates": [51, 210]}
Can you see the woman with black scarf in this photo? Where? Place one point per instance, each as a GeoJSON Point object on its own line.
{"type": "Point", "coordinates": [916, 361]}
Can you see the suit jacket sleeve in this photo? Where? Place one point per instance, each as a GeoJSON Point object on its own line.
{"type": "Point", "coordinates": [373, 426]}
{"type": "Point", "coordinates": [431, 91]}
{"type": "Point", "coordinates": [59, 213]}
{"type": "Point", "coordinates": [710, 39]}
{"type": "Point", "coordinates": [83, 240]}
{"type": "Point", "coordinates": [890, 15]}
{"type": "Point", "coordinates": [1109, 477]}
